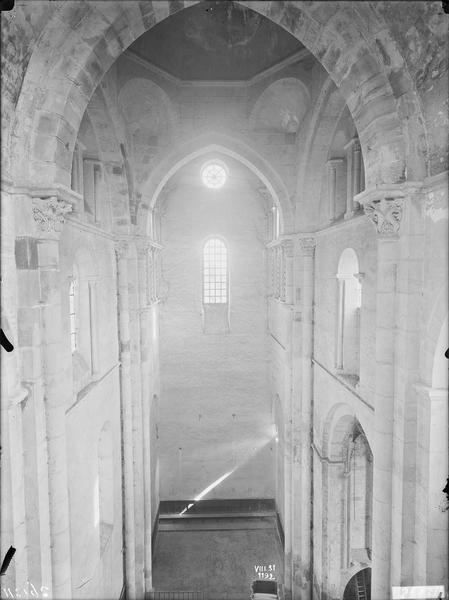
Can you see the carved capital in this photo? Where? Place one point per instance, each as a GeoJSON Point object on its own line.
{"type": "Point", "coordinates": [121, 248]}
{"type": "Point", "coordinates": [307, 246]}
{"type": "Point", "coordinates": [49, 213]}
{"type": "Point", "coordinates": [333, 164]}
{"type": "Point", "coordinates": [349, 147]}
{"type": "Point", "coordinates": [436, 204]}
{"type": "Point", "coordinates": [142, 247]}
{"type": "Point", "coordinates": [288, 248]}
{"type": "Point", "coordinates": [356, 146]}
{"type": "Point", "coordinates": [386, 214]}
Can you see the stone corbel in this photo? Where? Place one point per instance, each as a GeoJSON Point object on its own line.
{"type": "Point", "coordinates": [386, 214]}
{"type": "Point", "coordinates": [49, 213]}
{"type": "Point", "coordinates": [384, 205]}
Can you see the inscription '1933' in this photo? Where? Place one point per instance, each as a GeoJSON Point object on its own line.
{"type": "Point", "coordinates": [265, 571]}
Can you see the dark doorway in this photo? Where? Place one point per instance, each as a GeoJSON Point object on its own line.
{"type": "Point", "coordinates": [359, 586]}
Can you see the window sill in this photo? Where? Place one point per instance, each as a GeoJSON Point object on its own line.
{"type": "Point", "coordinates": [89, 385]}
{"type": "Point", "coordinates": [215, 318]}
{"type": "Point", "coordinates": [349, 378]}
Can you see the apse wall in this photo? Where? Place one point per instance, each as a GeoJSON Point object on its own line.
{"type": "Point", "coordinates": [242, 111]}
{"type": "Point", "coordinates": [215, 408]}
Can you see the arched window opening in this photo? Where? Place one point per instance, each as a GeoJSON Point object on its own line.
{"type": "Point", "coordinates": [214, 174]}
{"type": "Point", "coordinates": [215, 272]}
{"type": "Point", "coordinates": [347, 501]}
{"type": "Point", "coordinates": [349, 304]}
{"type": "Point", "coordinates": [73, 301]}
{"type": "Point", "coordinates": [104, 514]}
{"type": "Point", "coordinates": [358, 510]}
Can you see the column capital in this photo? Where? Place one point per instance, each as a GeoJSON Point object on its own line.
{"type": "Point", "coordinates": [121, 247]}
{"type": "Point", "coordinates": [49, 213]}
{"type": "Point", "coordinates": [335, 162]}
{"type": "Point", "coordinates": [142, 247]}
{"type": "Point", "coordinates": [265, 193]}
{"type": "Point", "coordinates": [307, 246]}
{"type": "Point", "coordinates": [384, 205]}
{"type": "Point", "coordinates": [353, 144]}
{"type": "Point", "coordinates": [288, 247]}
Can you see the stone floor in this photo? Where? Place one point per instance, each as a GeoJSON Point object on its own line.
{"type": "Point", "coordinates": [216, 555]}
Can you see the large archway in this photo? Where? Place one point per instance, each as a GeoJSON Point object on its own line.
{"type": "Point", "coordinates": [95, 35]}
{"type": "Point", "coordinates": [67, 84]}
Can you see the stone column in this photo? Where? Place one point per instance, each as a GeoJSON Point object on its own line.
{"type": "Point", "coordinates": [127, 418]}
{"type": "Point", "coordinates": [302, 447]}
{"type": "Point", "coordinates": [407, 477]}
{"type": "Point", "coordinates": [288, 269]}
{"type": "Point", "coordinates": [291, 414]}
{"type": "Point", "coordinates": [356, 171]}
{"type": "Point", "coordinates": [386, 214]}
{"type": "Point", "coordinates": [331, 188]}
{"type": "Point", "coordinates": [145, 367]}
{"type": "Point", "coordinates": [349, 181]}
{"type": "Point", "coordinates": [136, 380]}
{"type": "Point", "coordinates": [290, 392]}
{"type": "Point", "coordinates": [13, 521]}
{"type": "Point", "coordinates": [334, 165]}
{"type": "Point", "coordinates": [437, 528]}
{"type": "Point", "coordinates": [340, 322]}
{"type": "Point", "coordinates": [49, 215]}
{"type": "Point", "coordinates": [354, 176]}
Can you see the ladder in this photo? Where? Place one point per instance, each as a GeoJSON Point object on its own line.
{"type": "Point", "coordinates": [360, 586]}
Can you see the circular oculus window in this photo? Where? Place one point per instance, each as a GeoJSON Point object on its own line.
{"type": "Point", "coordinates": [213, 175]}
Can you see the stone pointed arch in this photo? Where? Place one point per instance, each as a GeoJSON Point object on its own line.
{"type": "Point", "coordinates": [224, 145]}
{"type": "Point", "coordinates": [338, 421]}
{"type": "Point", "coordinates": [91, 36]}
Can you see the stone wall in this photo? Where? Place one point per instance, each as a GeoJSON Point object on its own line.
{"type": "Point", "coordinates": [215, 405]}
{"type": "Point", "coordinates": [387, 83]}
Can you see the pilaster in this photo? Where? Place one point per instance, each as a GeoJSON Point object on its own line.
{"type": "Point", "coordinates": [334, 167]}
{"type": "Point", "coordinates": [49, 213]}
{"type": "Point", "coordinates": [136, 386]}
{"type": "Point", "coordinates": [122, 251]}
{"type": "Point", "coordinates": [385, 208]}
{"type": "Point", "coordinates": [302, 419]}
{"type": "Point", "coordinates": [143, 249]}
{"type": "Point", "coordinates": [354, 176]}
